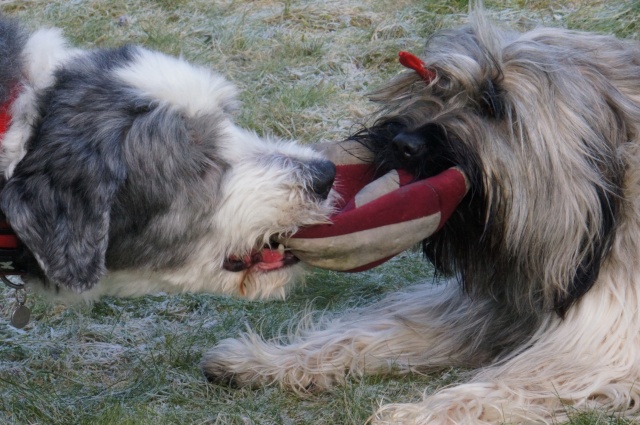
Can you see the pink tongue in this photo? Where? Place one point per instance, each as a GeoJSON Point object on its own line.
{"type": "Point", "coordinates": [271, 259]}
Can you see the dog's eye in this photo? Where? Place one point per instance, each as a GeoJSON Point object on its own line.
{"type": "Point", "coordinates": [392, 128]}
{"type": "Point", "coordinates": [435, 133]}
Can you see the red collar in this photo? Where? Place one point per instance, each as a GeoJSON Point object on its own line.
{"type": "Point", "coordinates": [10, 247]}
{"type": "Point", "coordinates": [5, 111]}
{"type": "Point", "coordinates": [12, 252]}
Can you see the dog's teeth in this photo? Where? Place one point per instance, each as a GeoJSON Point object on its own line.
{"type": "Point", "coordinates": [281, 248]}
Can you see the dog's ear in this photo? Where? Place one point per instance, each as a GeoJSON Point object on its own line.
{"type": "Point", "coordinates": [58, 202]}
{"type": "Point", "coordinates": [588, 270]}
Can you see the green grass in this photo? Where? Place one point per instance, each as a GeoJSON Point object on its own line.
{"type": "Point", "coordinates": [304, 68]}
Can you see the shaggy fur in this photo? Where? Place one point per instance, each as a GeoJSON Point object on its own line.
{"type": "Point", "coordinates": [545, 297]}
{"type": "Point", "coordinates": [125, 174]}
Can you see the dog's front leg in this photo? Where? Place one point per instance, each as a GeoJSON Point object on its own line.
{"type": "Point", "coordinates": [427, 327]}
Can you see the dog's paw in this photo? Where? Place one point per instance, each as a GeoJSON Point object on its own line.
{"type": "Point", "coordinates": [249, 361]}
{"type": "Point", "coordinates": [236, 363]}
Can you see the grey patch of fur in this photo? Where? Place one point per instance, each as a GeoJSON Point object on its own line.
{"type": "Point", "coordinates": [173, 181]}
{"type": "Point", "coordinates": [101, 151]}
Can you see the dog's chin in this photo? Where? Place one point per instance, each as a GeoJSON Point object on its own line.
{"type": "Point", "coordinates": [267, 280]}
{"type": "Point", "coordinates": [262, 272]}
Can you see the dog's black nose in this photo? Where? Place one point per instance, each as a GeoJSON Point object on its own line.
{"type": "Point", "coordinates": [408, 145]}
{"type": "Point", "coordinates": [324, 172]}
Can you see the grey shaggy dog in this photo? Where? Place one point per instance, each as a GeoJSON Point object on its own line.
{"type": "Point", "coordinates": [125, 174]}
{"type": "Point", "coordinates": [544, 300]}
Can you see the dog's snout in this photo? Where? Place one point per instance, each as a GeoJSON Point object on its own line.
{"type": "Point", "coordinates": [324, 172]}
{"type": "Point", "coordinates": [408, 145]}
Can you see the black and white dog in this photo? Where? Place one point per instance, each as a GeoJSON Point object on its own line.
{"type": "Point", "coordinates": [125, 174]}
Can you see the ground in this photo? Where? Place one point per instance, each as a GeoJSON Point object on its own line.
{"type": "Point", "coordinates": [304, 68]}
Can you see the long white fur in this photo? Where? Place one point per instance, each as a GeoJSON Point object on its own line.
{"type": "Point", "coordinates": [196, 90]}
